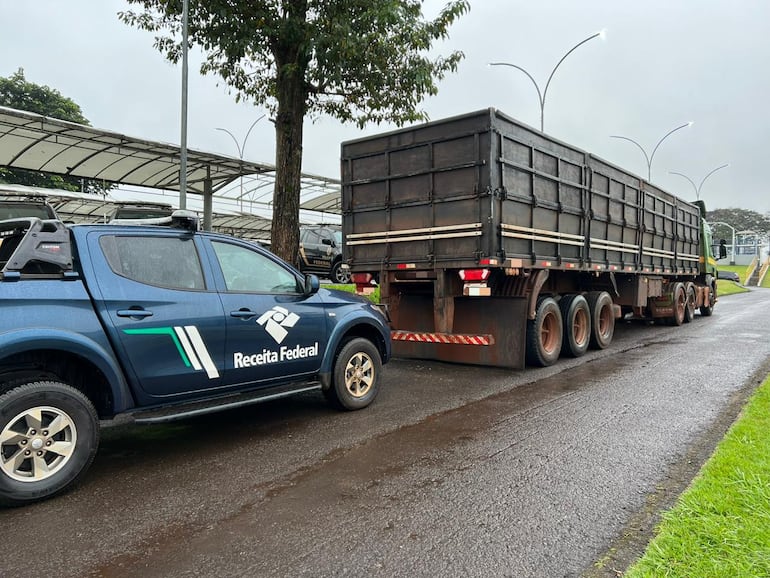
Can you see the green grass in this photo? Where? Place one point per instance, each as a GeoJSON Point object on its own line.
{"type": "Point", "coordinates": [720, 528]}
{"type": "Point", "coordinates": [725, 287]}
{"type": "Point", "coordinates": [373, 297]}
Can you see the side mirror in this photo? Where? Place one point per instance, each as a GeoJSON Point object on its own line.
{"type": "Point", "coordinates": [312, 284]}
{"type": "Point", "coordinates": [327, 242]}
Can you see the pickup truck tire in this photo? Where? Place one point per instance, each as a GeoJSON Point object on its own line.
{"type": "Point", "coordinates": [544, 334]}
{"type": "Point", "coordinates": [339, 275]}
{"type": "Point", "coordinates": [576, 318]}
{"type": "Point", "coordinates": [356, 375]}
{"type": "Point", "coordinates": [49, 434]}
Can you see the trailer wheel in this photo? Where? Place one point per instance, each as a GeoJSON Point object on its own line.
{"type": "Point", "coordinates": [49, 433]}
{"type": "Point", "coordinates": [356, 375]}
{"type": "Point", "coordinates": [707, 309]}
{"type": "Point", "coordinates": [679, 303]}
{"type": "Point", "coordinates": [602, 319]}
{"type": "Point", "coordinates": [689, 312]}
{"type": "Point", "coordinates": [576, 320]}
{"type": "Point", "coordinates": [544, 334]}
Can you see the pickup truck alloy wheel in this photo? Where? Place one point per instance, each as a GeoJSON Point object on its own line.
{"type": "Point", "coordinates": [48, 438]}
{"type": "Point", "coordinates": [356, 375]}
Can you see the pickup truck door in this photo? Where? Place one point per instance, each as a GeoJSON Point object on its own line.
{"type": "Point", "coordinates": [274, 331]}
{"type": "Point", "coordinates": [164, 320]}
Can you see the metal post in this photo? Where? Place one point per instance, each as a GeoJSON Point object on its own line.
{"type": "Point", "coordinates": [183, 145]}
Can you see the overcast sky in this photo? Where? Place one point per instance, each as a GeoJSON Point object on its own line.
{"type": "Point", "coordinates": [663, 63]}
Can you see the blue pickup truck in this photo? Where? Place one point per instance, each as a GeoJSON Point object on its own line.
{"type": "Point", "coordinates": [157, 323]}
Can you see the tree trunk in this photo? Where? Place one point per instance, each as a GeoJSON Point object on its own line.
{"type": "Point", "coordinates": [288, 160]}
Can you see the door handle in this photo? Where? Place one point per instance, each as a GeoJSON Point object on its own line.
{"type": "Point", "coordinates": [243, 314]}
{"type": "Point", "coordinates": [138, 313]}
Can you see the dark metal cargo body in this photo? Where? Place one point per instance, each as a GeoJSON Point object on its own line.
{"type": "Point", "coordinates": [450, 193]}
{"type": "Point", "coordinates": [470, 222]}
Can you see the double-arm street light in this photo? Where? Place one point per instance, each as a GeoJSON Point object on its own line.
{"type": "Point", "coordinates": [647, 157]}
{"type": "Point", "coordinates": [541, 95]}
{"type": "Point", "coordinates": [241, 146]}
{"type": "Point", "coordinates": [698, 187]}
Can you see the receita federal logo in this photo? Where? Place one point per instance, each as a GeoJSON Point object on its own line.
{"type": "Point", "coordinates": [276, 320]}
{"type": "Point", "coordinates": [189, 344]}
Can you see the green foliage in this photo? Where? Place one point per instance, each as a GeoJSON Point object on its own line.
{"type": "Point", "coordinates": [374, 297]}
{"type": "Point", "coordinates": [359, 61]}
{"type": "Point", "coordinates": [721, 525]}
{"type": "Point", "coordinates": [740, 219]}
{"type": "Point", "coordinates": [17, 92]}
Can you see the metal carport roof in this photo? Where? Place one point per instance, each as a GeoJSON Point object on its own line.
{"type": "Point", "coordinates": [35, 142]}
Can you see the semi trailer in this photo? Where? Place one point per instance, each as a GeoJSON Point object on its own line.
{"type": "Point", "coordinates": [496, 244]}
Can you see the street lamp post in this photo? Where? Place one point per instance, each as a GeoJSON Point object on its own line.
{"type": "Point", "coordinates": [541, 95]}
{"type": "Point", "coordinates": [698, 187]}
{"type": "Point", "coordinates": [647, 157]}
{"type": "Point", "coordinates": [241, 146]}
{"type": "Point", "coordinates": [183, 143]}
{"type": "Point", "coordinates": [732, 254]}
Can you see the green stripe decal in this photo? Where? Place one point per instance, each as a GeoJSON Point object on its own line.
{"type": "Point", "coordinates": [162, 331]}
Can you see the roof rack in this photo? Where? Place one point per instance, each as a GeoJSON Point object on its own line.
{"type": "Point", "coordinates": [179, 219]}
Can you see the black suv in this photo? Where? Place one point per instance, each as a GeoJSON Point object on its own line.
{"type": "Point", "coordinates": [320, 252]}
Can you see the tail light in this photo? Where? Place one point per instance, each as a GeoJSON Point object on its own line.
{"type": "Point", "coordinates": [474, 274]}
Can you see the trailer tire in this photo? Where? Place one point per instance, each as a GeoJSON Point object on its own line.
{"type": "Point", "coordinates": [544, 334]}
{"type": "Point", "coordinates": [57, 427]}
{"type": "Point", "coordinates": [602, 319]}
{"type": "Point", "coordinates": [679, 304]}
{"type": "Point", "coordinates": [689, 312]}
{"type": "Point", "coordinates": [576, 323]}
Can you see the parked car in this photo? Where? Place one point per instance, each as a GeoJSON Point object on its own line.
{"type": "Point", "coordinates": [14, 206]}
{"type": "Point", "coordinates": [320, 252]}
{"type": "Point", "coordinates": [729, 276]}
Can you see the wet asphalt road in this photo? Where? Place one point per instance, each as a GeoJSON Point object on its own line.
{"type": "Point", "coordinates": [454, 471]}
